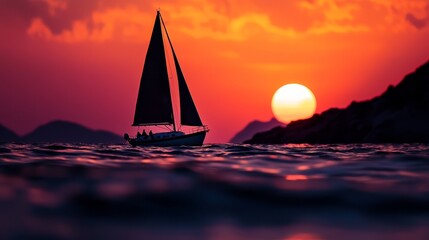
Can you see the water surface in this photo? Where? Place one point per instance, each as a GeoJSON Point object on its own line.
{"type": "Point", "coordinates": [365, 191]}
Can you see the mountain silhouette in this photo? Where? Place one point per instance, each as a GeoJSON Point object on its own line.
{"type": "Point", "coordinates": [399, 115]}
{"type": "Point", "coordinates": [68, 132]}
{"type": "Point", "coordinates": [7, 135]}
{"type": "Point", "coordinates": [254, 127]}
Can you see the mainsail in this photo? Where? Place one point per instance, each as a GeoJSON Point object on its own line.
{"type": "Point", "coordinates": [154, 106]}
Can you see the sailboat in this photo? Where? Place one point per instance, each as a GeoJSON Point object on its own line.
{"type": "Point", "coordinates": [154, 102]}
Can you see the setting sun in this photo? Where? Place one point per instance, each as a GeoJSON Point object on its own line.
{"type": "Point", "coordinates": [293, 102]}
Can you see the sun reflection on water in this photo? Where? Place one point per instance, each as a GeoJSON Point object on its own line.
{"type": "Point", "coordinates": [296, 177]}
{"type": "Point", "coordinates": [303, 236]}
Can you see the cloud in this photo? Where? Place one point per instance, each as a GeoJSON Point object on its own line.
{"type": "Point", "coordinates": [39, 29]}
{"type": "Point", "coordinates": [218, 21]}
{"type": "Point", "coordinates": [417, 22]}
{"type": "Point", "coordinates": [240, 29]}
{"type": "Point", "coordinates": [332, 10]}
{"type": "Point", "coordinates": [198, 20]}
{"type": "Point", "coordinates": [338, 28]}
{"type": "Point", "coordinates": [401, 15]}
{"type": "Point", "coordinates": [128, 23]}
{"type": "Point", "coordinates": [339, 16]}
{"type": "Point", "coordinates": [55, 5]}
{"type": "Point", "coordinates": [205, 20]}
{"type": "Point", "coordinates": [78, 33]}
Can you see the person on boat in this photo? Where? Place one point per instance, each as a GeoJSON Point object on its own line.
{"type": "Point", "coordinates": [138, 134]}
{"type": "Point", "coordinates": [144, 133]}
{"type": "Point", "coordinates": [151, 134]}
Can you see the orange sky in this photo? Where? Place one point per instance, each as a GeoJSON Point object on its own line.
{"type": "Point", "coordinates": [82, 60]}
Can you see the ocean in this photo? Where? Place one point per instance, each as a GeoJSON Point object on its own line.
{"type": "Point", "coordinates": [220, 191]}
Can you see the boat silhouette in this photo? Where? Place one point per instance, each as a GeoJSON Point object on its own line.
{"type": "Point", "coordinates": [154, 105]}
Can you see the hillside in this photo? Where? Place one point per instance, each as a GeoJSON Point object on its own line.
{"type": "Point", "coordinates": [254, 127]}
{"type": "Point", "coordinates": [68, 132]}
{"type": "Point", "coordinates": [7, 135]}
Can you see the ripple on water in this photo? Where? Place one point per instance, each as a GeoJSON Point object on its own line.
{"type": "Point", "coordinates": [221, 180]}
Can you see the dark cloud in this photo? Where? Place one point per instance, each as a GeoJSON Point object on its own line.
{"type": "Point", "coordinates": [63, 19]}
{"type": "Point", "coordinates": [21, 9]}
{"type": "Point", "coordinates": [26, 10]}
{"type": "Point", "coordinates": [419, 23]}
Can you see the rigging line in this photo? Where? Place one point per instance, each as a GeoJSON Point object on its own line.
{"type": "Point", "coordinates": [166, 127]}
{"type": "Point", "coordinates": [168, 37]}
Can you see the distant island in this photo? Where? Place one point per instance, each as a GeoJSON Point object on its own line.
{"type": "Point", "coordinates": [254, 127]}
{"type": "Point", "coordinates": [61, 132]}
{"type": "Point", "coordinates": [399, 115]}
{"type": "Point", "coordinates": [7, 135]}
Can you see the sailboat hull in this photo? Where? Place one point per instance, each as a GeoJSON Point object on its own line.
{"type": "Point", "coordinates": [193, 139]}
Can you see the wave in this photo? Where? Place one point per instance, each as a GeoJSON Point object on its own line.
{"type": "Point", "coordinates": [247, 184]}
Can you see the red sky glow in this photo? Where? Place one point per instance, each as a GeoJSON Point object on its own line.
{"type": "Point", "coordinates": [82, 60]}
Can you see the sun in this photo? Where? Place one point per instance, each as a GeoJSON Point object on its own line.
{"type": "Point", "coordinates": [293, 102]}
